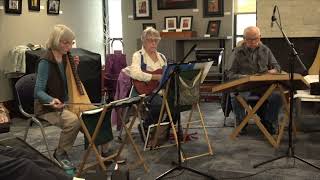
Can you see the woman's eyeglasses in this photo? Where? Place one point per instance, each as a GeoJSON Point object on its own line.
{"type": "Point", "coordinates": [152, 40]}
{"type": "Point", "coordinates": [67, 42]}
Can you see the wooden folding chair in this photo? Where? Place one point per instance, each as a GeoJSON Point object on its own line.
{"type": "Point", "coordinates": [92, 139]}
{"type": "Point", "coordinates": [127, 102]}
{"type": "Point", "coordinates": [135, 103]}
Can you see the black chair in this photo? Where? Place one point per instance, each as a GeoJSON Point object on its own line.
{"type": "Point", "coordinates": [25, 95]}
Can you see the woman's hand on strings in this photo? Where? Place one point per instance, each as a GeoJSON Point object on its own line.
{"type": "Point", "coordinates": [156, 77]}
{"type": "Point", "coordinates": [56, 103]}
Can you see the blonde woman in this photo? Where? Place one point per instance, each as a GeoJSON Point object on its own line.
{"type": "Point", "coordinates": [51, 89]}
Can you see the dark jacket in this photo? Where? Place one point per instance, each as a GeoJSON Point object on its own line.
{"type": "Point", "coordinates": [245, 61]}
{"type": "Point", "coordinates": [55, 86]}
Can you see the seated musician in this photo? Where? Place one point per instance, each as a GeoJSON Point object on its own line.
{"type": "Point", "coordinates": [51, 92]}
{"type": "Point", "coordinates": [51, 88]}
{"type": "Point", "coordinates": [146, 67]}
{"type": "Point", "coordinates": [253, 57]}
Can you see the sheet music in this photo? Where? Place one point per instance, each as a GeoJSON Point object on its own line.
{"type": "Point", "coordinates": [306, 96]}
{"type": "Point", "coordinates": [311, 78]}
{"type": "Point", "coordinates": [206, 68]}
{"type": "Point", "coordinates": [194, 65]}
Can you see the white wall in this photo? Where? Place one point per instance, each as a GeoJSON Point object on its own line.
{"type": "Point", "coordinates": [83, 16]}
{"type": "Point", "coordinates": [299, 18]}
{"type": "Point", "coordinates": [132, 28]}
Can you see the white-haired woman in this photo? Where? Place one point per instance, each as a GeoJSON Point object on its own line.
{"type": "Point", "coordinates": [147, 59]}
{"type": "Point", "coordinates": [147, 64]}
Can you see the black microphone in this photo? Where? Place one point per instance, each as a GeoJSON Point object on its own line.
{"type": "Point", "coordinates": [273, 17]}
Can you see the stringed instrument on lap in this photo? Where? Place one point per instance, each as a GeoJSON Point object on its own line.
{"type": "Point", "coordinates": [143, 87]}
{"type": "Point", "coordinates": [78, 98]}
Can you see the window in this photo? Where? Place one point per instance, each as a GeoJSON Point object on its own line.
{"type": "Point", "coordinates": [243, 21]}
{"type": "Point", "coordinates": [245, 15]}
{"type": "Point", "coordinates": [115, 23]}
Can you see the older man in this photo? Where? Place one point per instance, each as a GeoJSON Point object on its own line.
{"type": "Point", "coordinates": [253, 57]}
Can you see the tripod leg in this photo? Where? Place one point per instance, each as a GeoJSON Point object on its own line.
{"type": "Point", "coordinates": [197, 172]}
{"type": "Point", "coordinates": [294, 156]}
{"type": "Point", "coordinates": [265, 162]}
{"type": "Point", "coordinates": [167, 172]}
{"type": "Point", "coordinates": [186, 168]}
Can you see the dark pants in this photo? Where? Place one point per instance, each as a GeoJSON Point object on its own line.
{"type": "Point", "coordinates": [18, 164]}
{"type": "Point", "coordinates": [268, 112]}
{"type": "Point", "coordinates": [154, 108]}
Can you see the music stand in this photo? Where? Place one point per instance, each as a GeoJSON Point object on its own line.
{"type": "Point", "coordinates": [172, 71]}
{"type": "Point", "coordinates": [293, 56]}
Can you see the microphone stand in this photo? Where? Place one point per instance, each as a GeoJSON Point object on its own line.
{"type": "Point", "coordinates": [293, 57]}
{"type": "Point", "coordinates": [175, 74]}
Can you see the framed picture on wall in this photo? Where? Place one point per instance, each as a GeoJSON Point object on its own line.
{"type": "Point", "coordinates": [34, 5]}
{"type": "Point", "coordinates": [53, 6]}
{"type": "Point", "coordinates": [213, 28]}
{"type": "Point", "coordinates": [142, 9]}
{"type": "Point", "coordinates": [13, 6]}
{"type": "Point", "coordinates": [174, 4]}
{"type": "Point", "coordinates": [170, 23]}
{"type": "Point", "coordinates": [213, 8]}
{"type": "Point", "coordinates": [186, 23]}
{"type": "Point", "coordinates": [146, 25]}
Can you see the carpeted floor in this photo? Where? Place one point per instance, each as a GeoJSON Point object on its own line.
{"type": "Point", "coordinates": [232, 159]}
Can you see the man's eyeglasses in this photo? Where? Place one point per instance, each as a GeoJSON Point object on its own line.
{"type": "Point", "coordinates": [252, 39]}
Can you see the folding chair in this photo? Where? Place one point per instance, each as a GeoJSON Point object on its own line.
{"type": "Point", "coordinates": [135, 103]}
{"type": "Point", "coordinates": [132, 104]}
{"type": "Point", "coordinates": [25, 95]}
{"type": "Point", "coordinates": [126, 111]}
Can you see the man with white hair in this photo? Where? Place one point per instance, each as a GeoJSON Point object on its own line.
{"type": "Point", "coordinates": [253, 57]}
